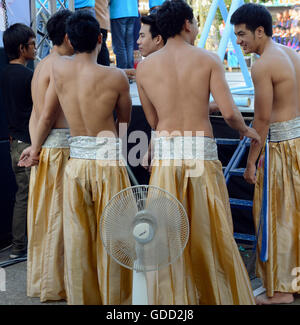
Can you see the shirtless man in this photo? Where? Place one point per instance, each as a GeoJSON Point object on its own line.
{"type": "Point", "coordinates": [150, 40]}
{"type": "Point", "coordinates": [276, 78]}
{"type": "Point", "coordinates": [174, 85]}
{"type": "Point", "coordinates": [88, 94]}
{"type": "Point", "coordinates": [45, 262]}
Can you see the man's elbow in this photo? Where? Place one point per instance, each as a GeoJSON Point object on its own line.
{"type": "Point", "coordinates": [262, 120]}
{"type": "Point", "coordinates": [229, 116]}
{"type": "Point", "coordinates": [48, 119]}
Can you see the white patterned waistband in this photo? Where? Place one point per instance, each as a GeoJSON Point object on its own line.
{"type": "Point", "coordinates": [287, 130]}
{"type": "Point", "coordinates": [57, 138]}
{"type": "Point", "coordinates": [177, 147]}
{"type": "Point", "coordinates": [96, 148]}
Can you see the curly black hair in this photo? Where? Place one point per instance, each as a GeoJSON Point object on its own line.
{"type": "Point", "coordinates": [56, 26]}
{"type": "Point", "coordinates": [83, 31]}
{"type": "Point", "coordinates": [171, 17]}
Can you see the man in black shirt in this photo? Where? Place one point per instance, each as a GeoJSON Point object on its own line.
{"type": "Point", "coordinates": [19, 45]}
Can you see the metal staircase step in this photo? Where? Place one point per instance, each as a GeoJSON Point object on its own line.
{"type": "Point", "coordinates": [243, 204]}
{"type": "Point", "coordinates": [227, 141]}
{"type": "Point", "coordinates": [237, 171]}
{"type": "Point", "coordinates": [246, 237]}
{"type": "Point", "coordinates": [230, 170]}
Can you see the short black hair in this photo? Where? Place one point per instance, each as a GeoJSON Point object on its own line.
{"type": "Point", "coordinates": [151, 21]}
{"type": "Point", "coordinates": [253, 16]}
{"type": "Point", "coordinates": [16, 35]}
{"type": "Point", "coordinates": [171, 17]}
{"type": "Point", "coordinates": [56, 26]}
{"type": "Point", "coordinates": [83, 31]}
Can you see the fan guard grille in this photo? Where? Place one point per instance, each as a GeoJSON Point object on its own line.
{"type": "Point", "coordinates": [144, 204]}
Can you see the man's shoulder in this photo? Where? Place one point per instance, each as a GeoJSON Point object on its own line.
{"type": "Point", "coordinates": [151, 60]}
{"type": "Point", "coordinates": [112, 75]}
{"type": "Point", "coordinates": [62, 60]}
{"type": "Point", "coordinates": [206, 57]}
{"type": "Point", "coordinates": [110, 71]}
{"type": "Point", "coordinates": [205, 60]}
{"type": "Point", "coordinates": [262, 65]}
{"type": "Point", "coordinates": [46, 63]}
{"type": "Point", "coordinates": [60, 65]}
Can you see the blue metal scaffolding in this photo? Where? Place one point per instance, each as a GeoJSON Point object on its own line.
{"type": "Point", "coordinates": [228, 35]}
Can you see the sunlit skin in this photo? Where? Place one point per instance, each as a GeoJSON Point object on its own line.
{"type": "Point", "coordinates": [275, 74]}
{"type": "Point", "coordinates": [148, 44]}
{"type": "Point", "coordinates": [168, 85]}
{"type": "Point", "coordinates": [246, 39]}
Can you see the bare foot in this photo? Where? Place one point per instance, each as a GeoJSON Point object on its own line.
{"type": "Point", "coordinates": [278, 298]}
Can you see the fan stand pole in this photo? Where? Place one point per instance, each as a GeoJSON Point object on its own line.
{"type": "Point", "coordinates": [139, 290]}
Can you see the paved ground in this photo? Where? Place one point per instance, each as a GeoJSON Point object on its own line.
{"type": "Point", "coordinates": [15, 284]}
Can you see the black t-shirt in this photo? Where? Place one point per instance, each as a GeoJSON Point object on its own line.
{"type": "Point", "coordinates": [16, 92]}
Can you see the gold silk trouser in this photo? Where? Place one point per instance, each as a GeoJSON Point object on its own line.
{"type": "Point", "coordinates": [211, 270]}
{"type": "Point", "coordinates": [280, 271]}
{"type": "Point", "coordinates": [45, 261]}
{"type": "Point", "coordinates": [92, 277]}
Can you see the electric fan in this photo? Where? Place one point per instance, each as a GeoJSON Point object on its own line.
{"type": "Point", "coordinates": [144, 228]}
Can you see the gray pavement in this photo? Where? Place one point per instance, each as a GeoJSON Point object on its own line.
{"type": "Point", "coordinates": [15, 286]}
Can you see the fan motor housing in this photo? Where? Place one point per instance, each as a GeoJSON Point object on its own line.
{"type": "Point", "coordinates": [144, 227]}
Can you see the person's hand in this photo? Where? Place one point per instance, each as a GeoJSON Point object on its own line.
{"type": "Point", "coordinates": [28, 158]}
{"type": "Point", "coordinates": [252, 134]}
{"type": "Point", "coordinates": [130, 74]}
{"type": "Point", "coordinates": [250, 174]}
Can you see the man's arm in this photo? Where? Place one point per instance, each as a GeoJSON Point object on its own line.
{"type": "Point", "coordinates": [40, 128]}
{"type": "Point", "coordinates": [223, 98]}
{"type": "Point", "coordinates": [47, 119]}
{"type": "Point", "coordinates": [263, 104]}
{"type": "Point", "coordinates": [25, 155]}
{"type": "Point", "coordinates": [32, 123]}
{"type": "Point", "coordinates": [124, 105]}
{"type": "Point", "coordinates": [148, 107]}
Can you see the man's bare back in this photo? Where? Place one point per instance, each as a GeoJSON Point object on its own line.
{"type": "Point", "coordinates": [282, 84]}
{"type": "Point", "coordinates": [176, 97]}
{"type": "Point", "coordinates": [40, 90]}
{"type": "Point", "coordinates": [174, 88]}
{"type": "Point", "coordinates": [89, 93]}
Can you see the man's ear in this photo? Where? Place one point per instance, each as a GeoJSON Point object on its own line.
{"type": "Point", "coordinates": [187, 25]}
{"type": "Point", "coordinates": [21, 49]}
{"type": "Point", "coordinates": [260, 31]}
{"type": "Point", "coordinates": [67, 40]}
{"type": "Point", "coordinates": [159, 40]}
